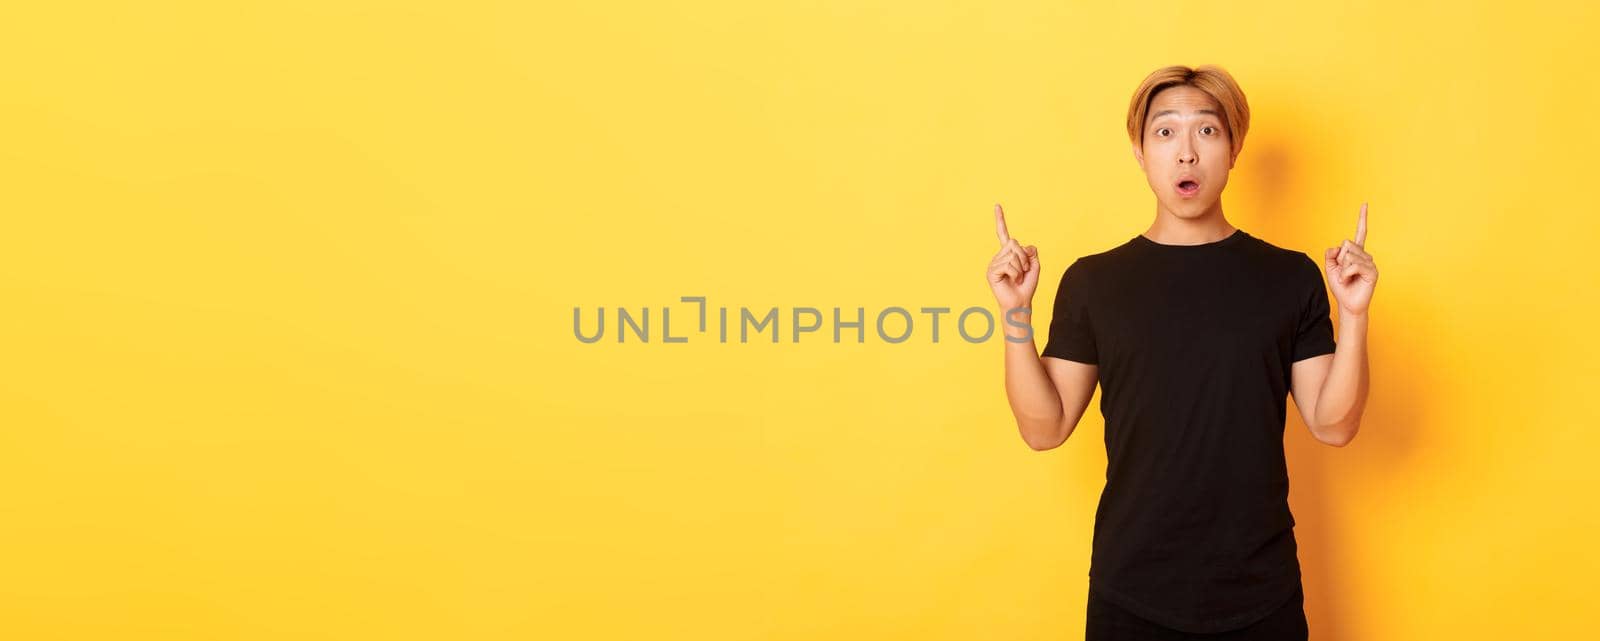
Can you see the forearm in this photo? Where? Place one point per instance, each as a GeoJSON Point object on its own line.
{"type": "Point", "coordinates": [1343, 396]}
{"type": "Point", "coordinates": [1033, 397]}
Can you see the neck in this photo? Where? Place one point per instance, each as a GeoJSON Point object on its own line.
{"type": "Point", "coordinates": [1171, 229]}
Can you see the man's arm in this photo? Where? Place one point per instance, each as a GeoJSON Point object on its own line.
{"type": "Point", "coordinates": [1331, 390]}
{"type": "Point", "coordinates": [1047, 395]}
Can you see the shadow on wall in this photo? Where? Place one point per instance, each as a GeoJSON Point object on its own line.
{"type": "Point", "coordinates": [1274, 203]}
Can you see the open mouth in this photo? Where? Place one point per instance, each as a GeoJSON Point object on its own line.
{"type": "Point", "coordinates": [1188, 187]}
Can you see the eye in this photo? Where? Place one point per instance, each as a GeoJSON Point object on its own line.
{"type": "Point", "coordinates": [1208, 127]}
{"type": "Point", "coordinates": [1160, 132]}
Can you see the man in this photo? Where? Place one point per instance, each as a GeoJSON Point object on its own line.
{"type": "Point", "coordinates": [1196, 331]}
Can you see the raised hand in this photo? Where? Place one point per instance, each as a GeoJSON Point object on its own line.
{"type": "Point", "coordinates": [1351, 273]}
{"type": "Point", "coordinates": [1014, 273]}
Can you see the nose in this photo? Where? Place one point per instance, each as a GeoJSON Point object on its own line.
{"type": "Point", "coordinates": [1186, 153]}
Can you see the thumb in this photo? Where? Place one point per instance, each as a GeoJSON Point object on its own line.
{"type": "Point", "coordinates": [1330, 261]}
{"type": "Point", "coordinates": [1032, 277]}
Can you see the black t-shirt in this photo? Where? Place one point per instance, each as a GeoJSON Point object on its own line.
{"type": "Point", "coordinates": [1194, 345]}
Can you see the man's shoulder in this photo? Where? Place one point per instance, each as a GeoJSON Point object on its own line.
{"type": "Point", "coordinates": [1285, 256]}
{"type": "Point", "coordinates": [1108, 256]}
{"type": "Point", "coordinates": [1285, 267]}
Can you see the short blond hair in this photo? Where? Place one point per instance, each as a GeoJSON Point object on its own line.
{"type": "Point", "coordinates": [1211, 79]}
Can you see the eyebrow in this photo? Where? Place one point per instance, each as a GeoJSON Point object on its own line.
{"type": "Point", "coordinates": [1167, 112]}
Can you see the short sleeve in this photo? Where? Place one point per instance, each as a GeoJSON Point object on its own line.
{"type": "Point", "coordinates": [1314, 333]}
{"type": "Point", "coordinates": [1071, 336]}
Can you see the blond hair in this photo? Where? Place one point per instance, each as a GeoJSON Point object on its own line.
{"type": "Point", "coordinates": [1211, 79]}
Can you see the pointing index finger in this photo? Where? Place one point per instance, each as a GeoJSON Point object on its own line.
{"type": "Point", "coordinates": [1361, 226]}
{"type": "Point", "coordinates": [1000, 224]}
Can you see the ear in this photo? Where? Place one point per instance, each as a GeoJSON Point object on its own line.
{"type": "Point", "coordinates": [1138, 156]}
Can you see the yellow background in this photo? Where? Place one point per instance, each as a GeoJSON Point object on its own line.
{"type": "Point", "coordinates": [288, 286]}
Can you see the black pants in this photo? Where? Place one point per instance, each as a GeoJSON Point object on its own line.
{"type": "Point", "coordinates": [1109, 622]}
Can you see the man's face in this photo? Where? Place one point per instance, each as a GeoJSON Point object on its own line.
{"type": "Point", "coordinates": [1187, 152]}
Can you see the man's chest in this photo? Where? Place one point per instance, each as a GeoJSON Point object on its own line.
{"type": "Point", "coordinates": [1179, 319]}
